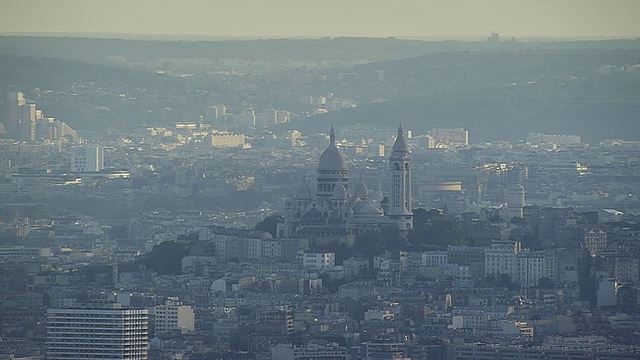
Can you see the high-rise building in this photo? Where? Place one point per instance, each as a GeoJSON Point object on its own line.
{"type": "Point", "coordinates": [24, 122]}
{"type": "Point", "coordinates": [214, 115]}
{"type": "Point", "coordinates": [249, 116]}
{"type": "Point", "coordinates": [97, 331]}
{"type": "Point", "coordinates": [13, 101]}
{"type": "Point", "coordinates": [221, 110]}
{"type": "Point", "coordinates": [87, 159]}
{"type": "Point", "coordinates": [271, 117]}
{"type": "Point", "coordinates": [211, 115]}
{"type": "Point", "coordinates": [27, 123]}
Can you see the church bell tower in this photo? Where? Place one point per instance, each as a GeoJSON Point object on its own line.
{"type": "Point", "coordinates": [400, 199]}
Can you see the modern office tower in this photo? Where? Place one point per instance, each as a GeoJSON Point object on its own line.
{"type": "Point", "coordinates": [13, 102]}
{"type": "Point", "coordinates": [268, 118]}
{"type": "Point", "coordinates": [97, 331]}
{"type": "Point", "coordinates": [214, 115]}
{"type": "Point", "coordinates": [249, 116]}
{"type": "Point", "coordinates": [210, 115]}
{"type": "Point", "coordinates": [27, 123]}
{"type": "Point", "coordinates": [271, 117]}
{"type": "Point", "coordinates": [221, 110]}
{"type": "Point", "coordinates": [87, 159]}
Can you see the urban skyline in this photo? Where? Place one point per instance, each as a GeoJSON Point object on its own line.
{"type": "Point", "coordinates": [334, 198]}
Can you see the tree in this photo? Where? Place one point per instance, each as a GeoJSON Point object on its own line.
{"type": "Point", "coordinates": [270, 224]}
{"type": "Point", "coordinates": [434, 229]}
{"type": "Point", "coordinates": [392, 240]}
{"type": "Point", "coordinates": [342, 250]}
{"type": "Point", "coordinates": [369, 245]}
{"type": "Point", "coordinates": [420, 217]}
{"type": "Point", "coordinates": [331, 284]}
{"type": "Point", "coordinates": [376, 243]}
{"type": "Point", "coordinates": [166, 258]}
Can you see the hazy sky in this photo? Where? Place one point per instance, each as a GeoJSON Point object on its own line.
{"type": "Point", "coordinates": [282, 18]}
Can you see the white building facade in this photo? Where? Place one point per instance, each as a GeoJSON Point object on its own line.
{"type": "Point", "coordinates": [319, 261]}
{"type": "Point", "coordinates": [101, 331]}
{"type": "Point", "coordinates": [173, 317]}
{"type": "Point", "coordinates": [501, 258]}
{"type": "Point", "coordinates": [87, 159]}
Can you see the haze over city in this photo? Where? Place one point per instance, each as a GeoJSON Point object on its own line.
{"type": "Point", "coordinates": [295, 18]}
{"type": "Point", "coordinates": [326, 180]}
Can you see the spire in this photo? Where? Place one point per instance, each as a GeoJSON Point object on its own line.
{"type": "Point", "coordinates": [400, 144]}
{"type": "Point", "coordinates": [361, 190]}
{"type": "Point", "coordinates": [332, 136]}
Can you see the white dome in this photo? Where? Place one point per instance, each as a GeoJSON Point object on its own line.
{"type": "Point", "coordinates": [332, 159]}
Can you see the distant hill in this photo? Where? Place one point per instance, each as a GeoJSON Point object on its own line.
{"type": "Point", "coordinates": [594, 93]}
{"type": "Point", "coordinates": [280, 50]}
{"type": "Point", "coordinates": [88, 96]}
{"type": "Point", "coordinates": [501, 90]}
{"type": "Point", "coordinates": [348, 49]}
{"type": "Point", "coordinates": [495, 116]}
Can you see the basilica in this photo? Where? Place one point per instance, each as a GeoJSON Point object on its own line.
{"type": "Point", "coordinates": [327, 207]}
